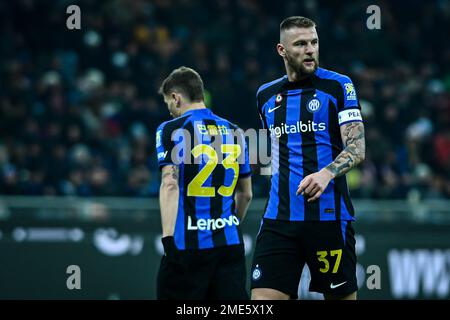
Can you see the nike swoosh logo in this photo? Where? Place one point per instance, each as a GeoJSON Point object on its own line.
{"type": "Point", "coordinates": [334, 286]}
{"type": "Point", "coordinates": [272, 110]}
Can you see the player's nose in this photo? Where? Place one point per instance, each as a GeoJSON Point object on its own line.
{"type": "Point", "coordinates": [310, 49]}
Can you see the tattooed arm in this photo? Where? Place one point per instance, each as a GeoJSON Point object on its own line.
{"type": "Point", "coordinates": [315, 184]}
{"type": "Point", "coordinates": [355, 149]}
{"type": "Point", "coordinates": [169, 193]}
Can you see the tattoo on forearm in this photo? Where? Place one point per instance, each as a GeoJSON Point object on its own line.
{"type": "Point", "coordinates": [173, 172]}
{"type": "Point", "coordinates": [354, 152]}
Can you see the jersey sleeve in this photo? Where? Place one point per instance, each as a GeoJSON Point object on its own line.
{"type": "Point", "coordinates": [244, 160]}
{"type": "Point", "coordinates": [164, 146]}
{"type": "Point", "coordinates": [349, 109]}
{"type": "Point", "coordinates": [261, 114]}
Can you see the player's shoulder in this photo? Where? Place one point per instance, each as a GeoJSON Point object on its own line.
{"type": "Point", "coordinates": [173, 124]}
{"type": "Point", "coordinates": [221, 120]}
{"type": "Point", "coordinates": [326, 74]}
{"type": "Point", "coordinates": [271, 85]}
{"type": "Point", "coordinates": [267, 90]}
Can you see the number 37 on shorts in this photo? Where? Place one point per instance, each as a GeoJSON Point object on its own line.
{"type": "Point", "coordinates": [327, 258]}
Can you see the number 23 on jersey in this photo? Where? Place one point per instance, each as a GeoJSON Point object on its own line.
{"type": "Point", "coordinates": [196, 188]}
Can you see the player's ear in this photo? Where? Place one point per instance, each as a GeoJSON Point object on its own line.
{"type": "Point", "coordinates": [281, 50]}
{"type": "Point", "coordinates": [176, 98]}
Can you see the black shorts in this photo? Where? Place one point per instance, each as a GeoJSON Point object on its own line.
{"type": "Point", "coordinates": [207, 274]}
{"type": "Point", "coordinates": [283, 248]}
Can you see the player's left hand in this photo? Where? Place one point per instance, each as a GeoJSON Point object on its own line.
{"type": "Point", "coordinates": [313, 185]}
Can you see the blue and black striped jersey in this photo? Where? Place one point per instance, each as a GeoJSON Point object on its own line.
{"type": "Point", "coordinates": [211, 154]}
{"type": "Point", "coordinates": [304, 119]}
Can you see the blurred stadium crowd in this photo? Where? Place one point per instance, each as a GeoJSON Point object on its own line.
{"type": "Point", "coordinates": [79, 109]}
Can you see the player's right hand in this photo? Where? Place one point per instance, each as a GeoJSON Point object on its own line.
{"type": "Point", "coordinates": [313, 185]}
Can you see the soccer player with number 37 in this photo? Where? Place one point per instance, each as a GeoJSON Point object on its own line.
{"type": "Point", "coordinates": [317, 136]}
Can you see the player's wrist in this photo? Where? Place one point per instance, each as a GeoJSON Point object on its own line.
{"type": "Point", "coordinates": [171, 252]}
{"type": "Point", "coordinates": [168, 243]}
{"type": "Point", "coordinates": [328, 173]}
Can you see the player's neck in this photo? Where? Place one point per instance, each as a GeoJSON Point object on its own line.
{"type": "Point", "coordinates": [294, 76]}
{"type": "Point", "coordinates": [193, 106]}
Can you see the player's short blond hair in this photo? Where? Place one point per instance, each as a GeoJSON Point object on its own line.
{"type": "Point", "coordinates": [297, 22]}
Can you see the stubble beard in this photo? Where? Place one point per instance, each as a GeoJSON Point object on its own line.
{"type": "Point", "coordinates": [299, 68]}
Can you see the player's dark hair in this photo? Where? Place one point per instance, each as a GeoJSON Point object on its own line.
{"type": "Point", "coordinates": [186, 81]}
{"type": "Point", "coordinates": [296, 21]}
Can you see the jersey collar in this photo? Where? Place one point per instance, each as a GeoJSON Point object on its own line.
{"type": "Point", "coordinates": [197, 111]}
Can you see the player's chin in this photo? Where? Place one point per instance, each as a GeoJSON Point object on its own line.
{"type": "Point", "coordinates": [309, 68]}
